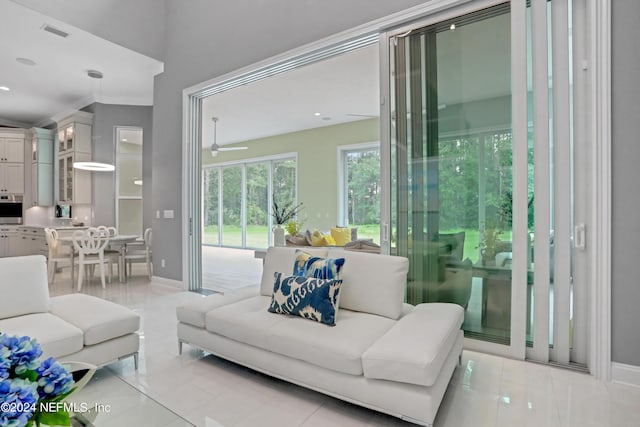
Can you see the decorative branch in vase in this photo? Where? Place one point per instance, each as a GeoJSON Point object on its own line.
{"type": "Point", "coordinates": [282, 214]}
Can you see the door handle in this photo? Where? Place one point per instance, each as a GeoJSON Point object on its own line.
{"type": "Point", "coordinates": [580, 236]}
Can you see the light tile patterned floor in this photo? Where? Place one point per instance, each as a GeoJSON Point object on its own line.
{"type": "Point", "coordinates": [485, 390]}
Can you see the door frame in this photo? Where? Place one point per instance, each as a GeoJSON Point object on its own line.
{"type": "Point", "coordinates": [595, 61]}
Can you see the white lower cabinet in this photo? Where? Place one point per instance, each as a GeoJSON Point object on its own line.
{"type": "Point", "coordinates": [10, 242]}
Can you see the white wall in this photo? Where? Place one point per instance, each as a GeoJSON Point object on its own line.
{"type": "Point", "coordinates": [625, 112]}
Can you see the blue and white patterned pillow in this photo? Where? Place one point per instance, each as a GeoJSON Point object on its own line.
{"type": "Point", "coordinates": [308, 265]}
{"type": "Point", "coordinates": [307, 297]}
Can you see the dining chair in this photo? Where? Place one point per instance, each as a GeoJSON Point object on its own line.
{"type": "Point", "coordinates": [58, 253]}
{"type": "Point", "coordinates": [141, 253]}
{"type": "Point", "coordinates": [90, 245]}
{"type": "Point", "coordinates": [112, 254]}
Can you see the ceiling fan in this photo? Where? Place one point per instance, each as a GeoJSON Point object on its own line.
{"type": "Point", "coordinates": [215, 148]}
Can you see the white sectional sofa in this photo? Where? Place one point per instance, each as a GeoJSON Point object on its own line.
{"type": "Point", "coordinates": [382, 353]}
{"type": "Point", "coordinates": [74, 327]}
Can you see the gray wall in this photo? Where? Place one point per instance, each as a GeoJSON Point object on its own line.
{"type": "Point", "coordinates": [207, 39]}
{"type": "Point", "coordinates": [105, 119]}
{"type": "Point", "coordinates": [138, 25]}
{"type": "Point", "coordinates": [625, 113]}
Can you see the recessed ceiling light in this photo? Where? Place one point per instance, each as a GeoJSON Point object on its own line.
{"type": "Point", "coordinates": [124, 139]}
{"type": "Point", "coordinates": [452, 27]}
{"type": "Point", "coordinates": [316, 114]}
{"type": "Point", "coordinates": [26, 61]}
{"type": "Point", "coordinates": [4, 88]}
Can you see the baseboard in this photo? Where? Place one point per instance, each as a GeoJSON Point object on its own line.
{"type": "Point", "coordinates": [175, 283]}
{"type": "Point", "coordinates": [625, 374]}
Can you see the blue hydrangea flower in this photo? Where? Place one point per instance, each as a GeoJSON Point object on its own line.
{"type": "Point", "coordinates": [5, 363]}
{"type": "Point", "coordinates": [21, 397]}
{"type": "Point", "coordinates": [24, 352]}
{"type": "Point", "coordinates": [53, 379]}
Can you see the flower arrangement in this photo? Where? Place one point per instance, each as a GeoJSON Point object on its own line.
{"type": "Point", "coordinates": [285, 212]}
{"type": "Point", "coordinates": [29, 386]}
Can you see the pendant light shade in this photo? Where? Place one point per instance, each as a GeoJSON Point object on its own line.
{"type": "Point", "coordinates": [94, 166]}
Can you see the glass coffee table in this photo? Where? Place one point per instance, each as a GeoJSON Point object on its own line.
{"type": "Point", "coordinates": [108, 400]}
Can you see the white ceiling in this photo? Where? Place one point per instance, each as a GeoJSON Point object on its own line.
{"type": "Point", "coordinates": [342, 89]}
{"type": "Point", "coordinates": [58, 84]}
{"type": "Point", "coordinates": [473, 64]}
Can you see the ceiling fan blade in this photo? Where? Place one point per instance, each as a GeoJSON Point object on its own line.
{"type": "Point", "coordinates": [231, 148]}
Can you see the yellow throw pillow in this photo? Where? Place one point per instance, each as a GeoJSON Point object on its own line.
{"type": "Point", "coordinates": [341, 235]}
{"type": "Point", "coordinates": [319, 239]}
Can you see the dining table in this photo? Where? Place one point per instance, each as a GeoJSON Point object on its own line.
{"type": "Point", "coordinates": [118, 241]}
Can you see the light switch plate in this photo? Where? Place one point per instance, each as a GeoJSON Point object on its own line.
{"type": "Point", "coordinates": [168, 214]}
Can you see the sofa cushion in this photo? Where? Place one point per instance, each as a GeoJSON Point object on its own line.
{"type": "Point", "coordinates": [24, 287]}
{"type": "Point", "coordinates": [339, 348]}
{"type": "Point", "coordinates": [307, 297]}
{"type": "Point", "coordinates": [414, 350]}
{"type": "Point", "coordinates": [246, 321]}
{"type": "Point", "coordinates": [195, 313]}
{"type": "Point", "coordinates": [99, 320]}
{"type": "Point", "coordinates": [280, 259]}
{"type": "Point", "coordinates": [57, 337]}
{"type": "Point", "coordinates": [372, 283]}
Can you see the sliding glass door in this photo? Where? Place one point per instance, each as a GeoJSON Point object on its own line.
{"type": "Point", "coordinates": [237, 200]}
{"type": "Point", "coordinates": [477, 122]}
{"type": "Point", "coordinates": [452, 166]}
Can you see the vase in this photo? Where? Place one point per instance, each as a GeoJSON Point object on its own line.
{"type": "Point", "coordinates": [278, 236]}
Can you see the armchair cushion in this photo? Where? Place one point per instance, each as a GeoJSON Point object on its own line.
{"type": "Point", "coordinates": [24, 286]}
{"type": "Point", "coordinates": [98, 319]}
{"type": "Point", "coordinates": [57, 337]}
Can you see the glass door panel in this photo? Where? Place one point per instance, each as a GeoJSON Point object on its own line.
{"type": "Point", "coordinates": [284, 182]}
{"type": "Point", "coordinates": [257, 235]}
{"type": "Point", "coordinates": [210, 206]}
{"type": "Point", "coordinates": [452, 167]}
{"type": "Point", "coordinates": [232, 206]}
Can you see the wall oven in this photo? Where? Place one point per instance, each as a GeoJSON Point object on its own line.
{"type": "Point", "coordinates": [10, 209]}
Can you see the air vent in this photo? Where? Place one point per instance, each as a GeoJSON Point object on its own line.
{"type": "Point", "coordinates": [54, 30]}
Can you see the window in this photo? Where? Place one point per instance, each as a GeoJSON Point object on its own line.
{"type": "Point", "coordinates": [237, 200]}
{"type": "Point", "coordinates": [360, 189]}
{"type": "Point", "coordinates": [129, 180]}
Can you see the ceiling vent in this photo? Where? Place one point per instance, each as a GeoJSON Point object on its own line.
{"type": "Point", "coordinates": [54, 30]}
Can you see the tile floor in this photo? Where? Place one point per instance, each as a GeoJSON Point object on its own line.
{"type": "Point", "coordinates": [207, 391]}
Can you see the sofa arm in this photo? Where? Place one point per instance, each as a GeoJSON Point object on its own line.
{"type": "Point", "coordinates": [415, 349]}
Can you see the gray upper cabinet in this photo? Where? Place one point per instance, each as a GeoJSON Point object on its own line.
{"type": "Point", "coordinates": [41, 167]}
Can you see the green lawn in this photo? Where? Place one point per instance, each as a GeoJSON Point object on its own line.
{"type": "Point", "coordinates": [257, 237]}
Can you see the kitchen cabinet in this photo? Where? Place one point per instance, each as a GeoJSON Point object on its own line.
{"type": "Point", "coordinates": [12, 161]}
{"type": "Point", "coordinates": [9, 242]}
{"type": "Point", "coordinates": [11, 178]}
{"type": "Point", "coordinates": [41, 167]}
{"type": "Point", "coordinates": [73, 143]}
{"type": "Point", "coordinates": [33, 241]}
{"type": "Point", "coordinates": [12, 149]}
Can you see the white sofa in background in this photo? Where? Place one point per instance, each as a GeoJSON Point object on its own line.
{"type": "Point", "coordinates": [382, 354]}
{"type": "Point", "coordinates": [74, 327]}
